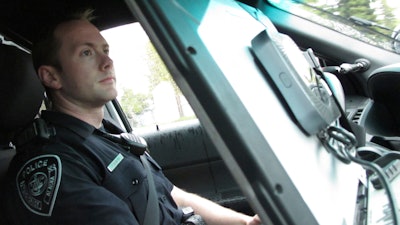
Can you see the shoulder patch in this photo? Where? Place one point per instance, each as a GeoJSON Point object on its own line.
{"type": "Point", "coordinates": [38, 182]}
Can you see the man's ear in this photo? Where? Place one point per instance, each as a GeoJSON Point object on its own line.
{"type": "Point", "coordinates": [49, 77]}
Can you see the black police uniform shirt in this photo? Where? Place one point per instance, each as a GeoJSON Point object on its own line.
{"type": "Point", "coordinates": [83, 178]}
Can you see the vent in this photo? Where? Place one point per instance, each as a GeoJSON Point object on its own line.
{"type": "Point", "coordinates": [356, 116]}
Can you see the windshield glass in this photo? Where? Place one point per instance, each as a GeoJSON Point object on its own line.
{"type": "Point", "coordinates": [373, 21]}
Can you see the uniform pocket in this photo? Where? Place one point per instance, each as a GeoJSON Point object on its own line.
{"type": "Point", "coordinates": [127, 177]}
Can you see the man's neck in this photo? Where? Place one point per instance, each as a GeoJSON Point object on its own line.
{"type": "Point", "coordinates": [92, 116]}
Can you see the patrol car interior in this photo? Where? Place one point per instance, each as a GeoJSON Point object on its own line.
{"type": "Point", "coordinates": [20, 81]}
{"type": "Point", "coordinates": [228, 155]}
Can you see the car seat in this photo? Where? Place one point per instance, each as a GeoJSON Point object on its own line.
{"type": "Point", "coordinates": [381, 116]}
{"type": "Point", "coordinates": [21, 95]}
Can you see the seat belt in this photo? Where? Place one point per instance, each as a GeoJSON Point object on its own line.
{"type": "Point", "coordinates": [40, 131]}
{"type": "Point", "coordinates": [138, 146]}
{"type": "Point", "coordinates": [152, 215]}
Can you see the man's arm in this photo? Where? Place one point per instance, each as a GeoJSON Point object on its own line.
{"type": "Point", "coordinates": [212, 213]}
{"type": "Point", "coordinates": [72, 193]}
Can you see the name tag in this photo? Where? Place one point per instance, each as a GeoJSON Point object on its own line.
{"type": "Point", "coordinates": [116, 161]}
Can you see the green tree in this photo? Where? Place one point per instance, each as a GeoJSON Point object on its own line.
{"type": "Point", "coordinates": [385, 15]}
{"type": "Point", "coordinates": [134, 104]}
{"type": "Point", "coordinates": [375, 11]}
{"type": "Point", "coordinates": [160, 73]}
{"type": "Point", "coordinates": [359, 8]}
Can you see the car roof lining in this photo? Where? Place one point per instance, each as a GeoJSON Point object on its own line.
{"type": "Point", "coordinates": [21, 20]}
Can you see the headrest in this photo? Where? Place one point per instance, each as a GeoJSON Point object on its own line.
{"type": "Point", "coordinates": [21, 92]}
{"type": "Point", "coordinates": [381, 118]}
{"type": "Point", "coordinates": [383, 84]}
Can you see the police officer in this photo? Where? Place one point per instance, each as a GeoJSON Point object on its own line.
{"type": "Point", "coordinates": [81, 176]}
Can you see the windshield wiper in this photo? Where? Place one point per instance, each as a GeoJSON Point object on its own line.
{"type": "Point", "coordinates": [367, 23]}
{"type": "Point", "coordinates": [362, 29]}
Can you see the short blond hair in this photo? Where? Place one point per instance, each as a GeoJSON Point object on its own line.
{"type": "Point", "coordinates": [45, 49]}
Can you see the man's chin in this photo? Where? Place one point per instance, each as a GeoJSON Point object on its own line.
{"type": "Point", "coordinates": [111, 94]}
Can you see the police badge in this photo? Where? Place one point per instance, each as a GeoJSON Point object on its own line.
{"type": "Point", "coordinates": [38, 182]}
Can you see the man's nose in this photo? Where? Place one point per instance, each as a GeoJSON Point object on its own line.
{"type": "Point", "coordinates": [106, 62]}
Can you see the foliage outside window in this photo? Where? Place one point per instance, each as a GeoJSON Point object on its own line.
{"type": "Point", "coordinates": [373, 21]}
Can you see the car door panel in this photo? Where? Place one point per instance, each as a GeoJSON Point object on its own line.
{"type": "Point", "coordinates": [191, 162]}
{"type": "Point", "coordinates": [177, 146]}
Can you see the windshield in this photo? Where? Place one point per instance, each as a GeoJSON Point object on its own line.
{"type": "Point", "coordinates": [376, 22]}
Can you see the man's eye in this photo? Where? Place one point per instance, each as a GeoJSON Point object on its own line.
{"type": "Point", "coordinates": [107, 51]}
{"type": "Point", "coordinates": [87, 52]}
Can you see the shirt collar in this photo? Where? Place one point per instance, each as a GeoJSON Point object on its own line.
{"type": "Point", "coordinates": [66, 121]}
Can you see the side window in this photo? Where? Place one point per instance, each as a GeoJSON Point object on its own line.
{"type": "Point", "coordinates": [146, 90]}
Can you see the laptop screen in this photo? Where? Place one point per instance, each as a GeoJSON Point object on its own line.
{"type": "Point", "coordinates": [321, 182]}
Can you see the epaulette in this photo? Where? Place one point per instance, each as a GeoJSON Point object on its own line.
{"type": "Point", "coordinates": [38, 130]}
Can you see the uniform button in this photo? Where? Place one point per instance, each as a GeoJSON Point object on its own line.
{"type": "Point", "coordinates": [135, 181]}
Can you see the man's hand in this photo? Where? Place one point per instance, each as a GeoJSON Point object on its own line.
{"type": "Point", "coordinates": [255, 220]}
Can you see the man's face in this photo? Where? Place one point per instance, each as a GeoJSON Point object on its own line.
{"type": "Point", "coordinates": [87, 76]}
